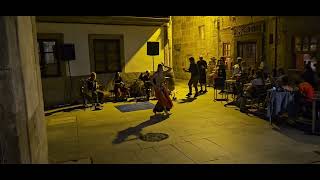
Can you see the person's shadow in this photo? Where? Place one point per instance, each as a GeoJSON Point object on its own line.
{"type": "Point", "coordinates": [187, 100]}
{"type": "Point", "coordinates": [136, 131]}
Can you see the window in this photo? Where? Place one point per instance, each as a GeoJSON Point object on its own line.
{"type": "Point", "coordinates": [306, 43]}
{"type": "Point", "coordinates": [48, 56]}
{"type": "Point", "coordinates": [226, 49]}
{"type": "Point", "coordinates": [248, 52]}
{"type": "Point", "coordinates": [303, 45]}
{"type": "Point", "coordinates": [106, 53]}
{"type": "Point", "coordinates": [201, 32]}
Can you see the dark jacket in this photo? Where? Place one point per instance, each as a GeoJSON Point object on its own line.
{"type": "Point", "coordinates": [311, 77]}
{"type": "Point", "coordinates": [194, 70]}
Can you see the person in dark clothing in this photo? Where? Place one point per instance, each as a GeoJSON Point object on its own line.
{"type": "Point", "coordinates": [121, 92]}
{"type": "Point", "coordinates": [193, 69]}
{"type": "Point", "coordinates": [146, 78]}
{"type": "Point", "coordinates": [202, 65]}
{"type": "Point", "coordinates": [221, 76]}
{"type": "Point", "coordinates": [310, 74]}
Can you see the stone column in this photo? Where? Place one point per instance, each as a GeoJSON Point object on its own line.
{"type": "Point", "coordinates": [23, 136]}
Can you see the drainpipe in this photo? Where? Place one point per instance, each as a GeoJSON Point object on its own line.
{"type": "Point", "coordinates": [218, 37]}
{"type": "Point", "coordinates": [276, 45]}
{"type": "Point", "coordinates": [170, 42]}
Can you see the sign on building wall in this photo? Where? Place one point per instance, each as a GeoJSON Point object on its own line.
{"type": "Point", "coordinates": [249, 29]}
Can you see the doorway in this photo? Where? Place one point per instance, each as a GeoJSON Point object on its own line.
{"type": "Point", "coordinates": [248, 52]}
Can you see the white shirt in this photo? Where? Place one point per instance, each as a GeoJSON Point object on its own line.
{"type": "Point", "coordinates": [236, 70]}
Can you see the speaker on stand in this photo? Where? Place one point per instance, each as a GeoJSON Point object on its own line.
{"type": "Point", "coordinates": [153, 50]}
{"type": "Point", "coordinates": [68, 54]}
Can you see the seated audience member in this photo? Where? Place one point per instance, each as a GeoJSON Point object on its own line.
{"type": "Point", "coordinates": [252, 75]}
{"type": "Point", "coordinates": [305, 99]}
{"type": "Point", "coordinates": [310, 74]}
{"type": "Point", "coordinates": [257, 81]}
{"type": "Point", "coordinates": [278, 79]}
{"type": "Point", "coordinates": [251, 90]}
{"type": "Point", "coordinates": [284, 84]}
{"type": "Point", "coordinates": [236, 69]}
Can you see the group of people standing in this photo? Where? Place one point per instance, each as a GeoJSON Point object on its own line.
{"type": "Point", "coordinates": [198, 75]}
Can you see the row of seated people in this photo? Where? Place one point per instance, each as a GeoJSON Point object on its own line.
{"type": "Point", "coordinates": [257, 90]}
{"type": "Point", "coordinates": [93, 91]}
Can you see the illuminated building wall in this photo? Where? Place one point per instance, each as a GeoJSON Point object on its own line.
{"type": "Point", "coordinates": [133, 50]}
{"type": "Point", "coordinates": [209, 35]}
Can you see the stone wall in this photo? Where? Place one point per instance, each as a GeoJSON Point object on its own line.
{"type": "Point", "coordinates": [220, 29]}
{"type": "Point", "coordinates": [22, 129]}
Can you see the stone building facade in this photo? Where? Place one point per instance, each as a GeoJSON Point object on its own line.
{"type": "Point", "coordinates": [281, 41]}
{"type": "Point", "coordinates": [102, 44]}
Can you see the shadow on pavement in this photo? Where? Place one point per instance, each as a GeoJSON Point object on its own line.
{"type": "Point", "coordinates": [187, 100]}
{"type": "Point", "coordinates": [136, 131]}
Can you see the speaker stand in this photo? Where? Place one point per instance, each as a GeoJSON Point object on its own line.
{"type": "Point", "coordinates": [70, 91]}
{"type": "Point", "coordinates": [153, 63]}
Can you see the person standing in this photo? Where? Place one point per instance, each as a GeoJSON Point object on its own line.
{"type": "Point", "coordinates": [193, 69]}
{"type": "Point", "coordinates": [203, 66]}
{"type": "Point", "coordinates": [211, 70]}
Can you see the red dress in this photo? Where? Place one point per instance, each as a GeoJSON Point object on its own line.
{"type": "Point", "coordinates": [163, 97]}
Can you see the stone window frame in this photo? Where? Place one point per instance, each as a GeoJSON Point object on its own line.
{"type": "Point", "coordinates": [92, 37]}
{"type": "Point", "coordinates": [224, 44]}
{"type": "Point", "coordinates": [201, 30]}
{"type": "Point", "coordinates": [59, 38]}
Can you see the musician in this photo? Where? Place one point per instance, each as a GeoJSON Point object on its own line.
{"type": "Point", "coordinates": [169, 76]}
{"type": "Point", "coordinates": [93, 87]}
{"type": "Point", "coordinates": [146, 78]}
{"type": "Point", "coordinates": [119, 87]}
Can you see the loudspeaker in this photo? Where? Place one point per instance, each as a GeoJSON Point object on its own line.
{"type": "Point", "coordinates": [152, 48]}
{"type": "Point", "coordinates": [68, 52]}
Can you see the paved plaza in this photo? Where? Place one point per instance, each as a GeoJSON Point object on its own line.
{"type": "Point", "coordinates": [198, 132]}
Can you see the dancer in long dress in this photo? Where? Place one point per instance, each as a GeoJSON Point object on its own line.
{"type": "Point", "coordinates": [161, 92]}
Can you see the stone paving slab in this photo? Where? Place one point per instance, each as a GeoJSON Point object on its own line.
{"type": "Point", "coordinates": [194, 153]}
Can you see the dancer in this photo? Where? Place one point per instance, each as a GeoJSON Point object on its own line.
{"type": "Point", "coordinates": [161, 92]}
{"type": "Point", "coordinates": [193, 69]}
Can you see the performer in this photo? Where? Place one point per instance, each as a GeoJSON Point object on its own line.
{"type": "Point", "coordinates": [194, 70]}
{"type": "Point", "coordinates": [93, 86]}
{"type": "Point", "coordinates": [146, 78]}
{"type": "Point", "coordinates": [170, 84]}
{"type": "Point", "coordinates": [121, 92]}
{"type": "Point", "coordinates": [161, 92]}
